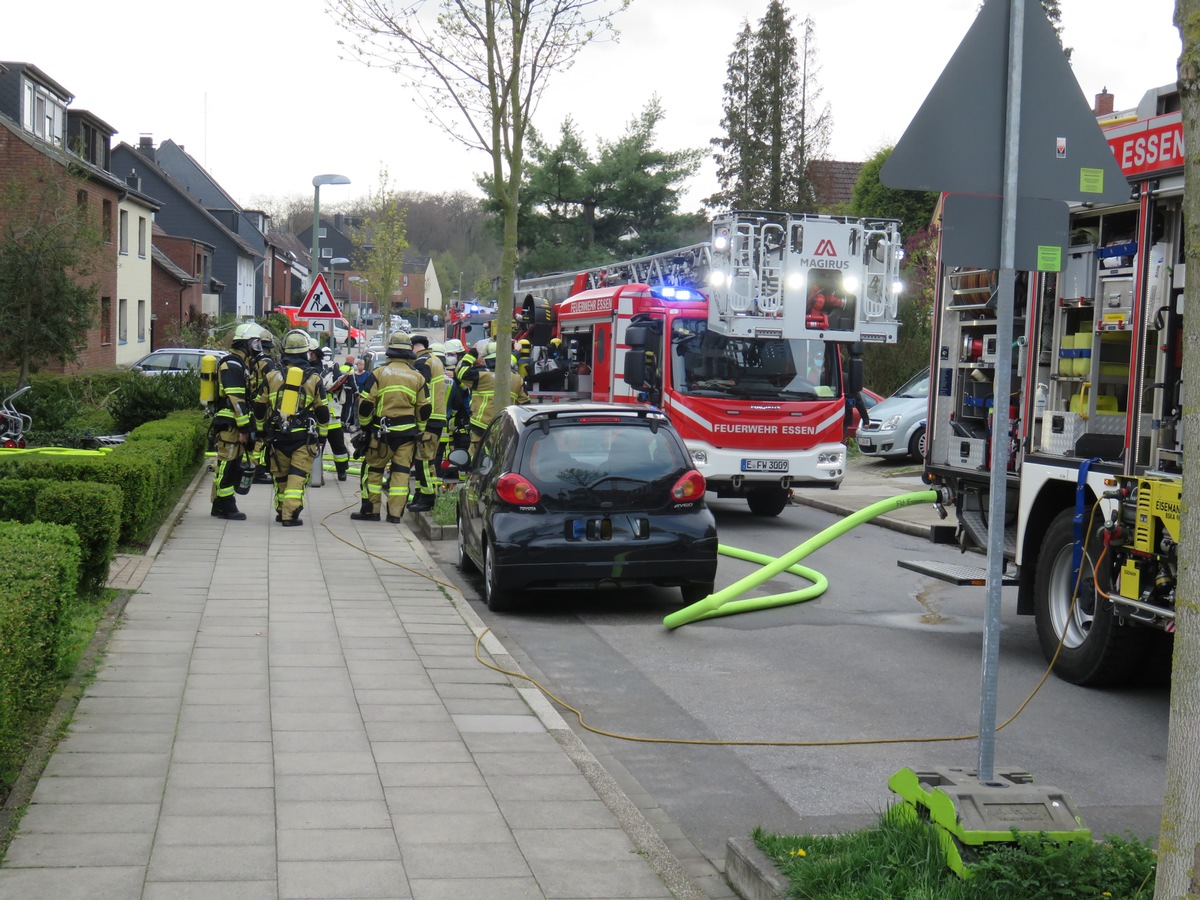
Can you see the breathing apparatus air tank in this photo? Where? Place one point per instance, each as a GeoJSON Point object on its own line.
{"type": "Point", "coordinates": [208, 378]}
{"type": "Point", "coordinates": [289, 401]}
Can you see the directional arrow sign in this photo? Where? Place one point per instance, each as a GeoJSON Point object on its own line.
{"type": "Point", "coordinates": [319, 304]}
{"type": "Point", "coordinates": [956, 140]}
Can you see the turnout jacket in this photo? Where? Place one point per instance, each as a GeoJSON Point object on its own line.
{"type": "Point", "coordinates": [395, 399]}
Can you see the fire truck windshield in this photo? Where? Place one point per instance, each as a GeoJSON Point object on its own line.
{"type": "Point", "coordinates": [709, 364]}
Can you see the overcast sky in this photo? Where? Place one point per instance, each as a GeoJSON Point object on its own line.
{"type": "Point", "coordinates": [255, 91]}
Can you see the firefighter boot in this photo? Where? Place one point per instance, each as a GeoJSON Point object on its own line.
{"type": "Point", "coordinates": [341, 467]}
{"type": "Point", "coordinates": [364, 514]}
{"type": "Point", "coordinates": [394, 520]}
{"type": "Point", "coordinates": [423, 503]}
{"type": "Point", "coordinates": [226, 508]}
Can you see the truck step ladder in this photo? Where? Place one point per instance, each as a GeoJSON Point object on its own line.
{"type": "Point", "coordinates": [953, 573]}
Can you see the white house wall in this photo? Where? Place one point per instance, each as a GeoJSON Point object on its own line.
{"type": "Point", "coordinates": [134, 278]}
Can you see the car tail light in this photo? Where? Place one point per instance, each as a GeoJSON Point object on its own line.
{"type": "Point", "coordinates": [689, 487]}
{"type": "Point", "coordinates": [513, 488]}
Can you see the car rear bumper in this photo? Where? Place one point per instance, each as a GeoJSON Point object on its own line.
{"type": "Point", "coordinates": [580, 552]}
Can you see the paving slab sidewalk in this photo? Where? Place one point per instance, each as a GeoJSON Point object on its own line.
{"type": "Point", "coordinates": [299, 713]}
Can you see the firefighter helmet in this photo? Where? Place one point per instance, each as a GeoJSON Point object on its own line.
{"type": "Point", "coordinates": [454, 345]}
{"type": "Point", "coordinates": [490, 352]}
{"type": "Point", "coordinates": [399, 340]}
{"type": "Point", "coordinates": [437, 349]}
{"type": "Point", "coordinates": [247, 331]}
{"type": "Point", "coordinates": [295, 341]}
{"type": "Point", "coordinates": [267, 338]}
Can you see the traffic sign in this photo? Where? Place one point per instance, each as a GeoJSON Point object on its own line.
{"type": "Point", "coordinates": [319, 304]}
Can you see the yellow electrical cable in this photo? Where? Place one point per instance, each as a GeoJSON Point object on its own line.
{"type": "Point", "coordinates": [742, 743]}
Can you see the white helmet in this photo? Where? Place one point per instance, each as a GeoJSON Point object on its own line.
{"type": "Point", "coordinates": [454, 345]}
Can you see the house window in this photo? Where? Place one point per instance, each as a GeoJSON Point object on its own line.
{"type": "Point", "coordinates": [122, 321]}
{"type": "Point", "coordinates": [141, 321]}
{"type": "Point", "coordinates": [123, 247]}
{"type": "Point", "coordinates": [105, 320]}
{"type": "Point", "coordinates": [81, 199]}
{"type": "Point", "coordinates": [142, 236]}
{"type": "Point", "coordinates": [45, 115]}
{"type": "Point", "coordinates": [321, 231]}
{"type": "Point", "coordinates": [107, 221]}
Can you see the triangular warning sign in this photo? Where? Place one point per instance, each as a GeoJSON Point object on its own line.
{"type": "Point", "coordinates": [956, 141]}
{"type": "Point", "coordinates": [319, 304]}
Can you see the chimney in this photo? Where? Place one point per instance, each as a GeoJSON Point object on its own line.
{"type": "Point", "coordinates": [134, 180]}
{"type": "Point", "coordinates": [146, 145]}
{"type": "Point", "coordinates": [1104, 103]}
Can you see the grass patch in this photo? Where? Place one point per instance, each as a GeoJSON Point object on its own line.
{"type": "Point", "coordinates": [901, 858]}
{"type": "Point", "coordinates": [445, 505]}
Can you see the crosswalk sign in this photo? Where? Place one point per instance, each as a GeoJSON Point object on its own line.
{"type": "Point", "coordinates": [319, 304]}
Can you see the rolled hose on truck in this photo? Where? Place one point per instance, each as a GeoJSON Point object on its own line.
{"type": "Point", "coordinates": [725, 603]}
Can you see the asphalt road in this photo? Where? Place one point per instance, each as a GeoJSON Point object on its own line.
{"type": "Point", "coordinates": [885, 654]}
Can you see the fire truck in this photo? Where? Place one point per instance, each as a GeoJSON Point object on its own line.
{"type": "Point", "coordinates": [1094, 451]}
{"type": "Point", "coordinates": [737, 339]}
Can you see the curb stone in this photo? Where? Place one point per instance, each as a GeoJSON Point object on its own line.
{"type": "Point", "coordinates": [751, 872]}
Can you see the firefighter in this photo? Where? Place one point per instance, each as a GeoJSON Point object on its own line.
{"type": "Point", "coordinates": [481, 380]}
{"type": "Point", "coordinates": [458, 399]}
{"type": "Point", "coordinates": [426, 462]}
{"type": "Point", "coordinates": [264, 364]}
{"type": "Point", "coordinates": [294, 416]}
{"type": "Point", "coordinates": [333, 381]}
{"type": "Point", "coordinates": [524, 352]}
{"type": "Point", "coordinates": [395, 400]}
{"type": "Point", "coordinates": [232, 425]}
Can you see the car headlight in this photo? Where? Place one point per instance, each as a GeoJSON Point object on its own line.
{"type": "Point", "coordinates": [890, 423]}
{"type": "Point", "coordinates": [699, 457]}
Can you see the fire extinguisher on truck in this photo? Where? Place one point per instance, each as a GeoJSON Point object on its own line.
{"type": "Point", "coordinates": [739, 340]}
{"type": "Point", "coordinates": [1094, 472]}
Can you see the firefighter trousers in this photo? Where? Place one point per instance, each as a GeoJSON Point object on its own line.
{"type": "Point", "coordinates": [290, 464]}
{"type": "Point", "coordinates": [396, 452]}
{"type": "Point", "coordinates": [229, 452]}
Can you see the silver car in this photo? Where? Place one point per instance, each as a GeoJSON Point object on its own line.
{"type": "Point", "coordinates": [897, 427]}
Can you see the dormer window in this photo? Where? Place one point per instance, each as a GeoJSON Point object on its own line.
{"type": "Point", "coordinates": [44, 113]}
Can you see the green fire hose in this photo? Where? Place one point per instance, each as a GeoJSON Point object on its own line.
{"type": "Point", "coordinates": [725, 603]}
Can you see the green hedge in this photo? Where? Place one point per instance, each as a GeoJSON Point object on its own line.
{"type": "Point", "coordinates": [93, 509]}
{"type": "Point", "coordinates": [39, 567]}
{"type": "Point", "coordinates": [144, 468]}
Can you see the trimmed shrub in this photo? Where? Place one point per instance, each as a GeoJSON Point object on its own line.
{"type": "Point", "coordinates": [139, 478]}
{"type": "Point", "coordinates": [145, 398]}
{"type": "Point", "coordinates": [95, 511]}
{"type": "Point", "coordinates": [39, 567]}
{"type": "Point", "coordinates": [18, 498]}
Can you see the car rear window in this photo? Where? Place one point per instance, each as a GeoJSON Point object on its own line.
{"type": "Point", "coordinates": [582, 463]}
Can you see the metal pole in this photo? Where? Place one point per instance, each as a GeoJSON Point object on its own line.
{"type": "Point", "coordinates": [314, 267]}
{"type": "Point", "coordinates": [1001, 392]}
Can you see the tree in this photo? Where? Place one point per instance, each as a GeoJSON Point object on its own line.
{"type": "Point", "coordinates": [480, 67]}
{"type": "Point", "coordinates": [1179, 837]}
{"type": "Point", "coordinates": [737, 155]}
{"type": "Point", "coordinates": [870, 198]}
{"type": "Point", "coordinates": [50, 249]}
{"type": "Point", "coordinates": [775, 125]}
{"type": "Point", "coordinates": [578, 211]}
{"type": "Point", "coordinates": [379, 247]}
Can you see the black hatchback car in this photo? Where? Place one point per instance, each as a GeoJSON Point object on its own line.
{"type": "Point", "coordinates": [584, 495]}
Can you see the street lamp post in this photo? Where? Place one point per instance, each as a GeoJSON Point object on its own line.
{"type": "Point", "coordinates": [317, 477]}
{"type": "Point", "coordinates": [317, 181]}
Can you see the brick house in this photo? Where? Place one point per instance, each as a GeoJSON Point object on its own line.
{"type": "Point", "coordinates": [34, 139]}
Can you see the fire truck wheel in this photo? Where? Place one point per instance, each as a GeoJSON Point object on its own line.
{"type": "Point", "coordinates": [767, 502]}
{"type": "Point", "coordinates": [497, 599]}
{"type": "Point", "coordinates": [1097, 649]}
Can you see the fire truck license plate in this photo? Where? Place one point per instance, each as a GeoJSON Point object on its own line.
{"type": "Point", "coordinates": [764, 465]}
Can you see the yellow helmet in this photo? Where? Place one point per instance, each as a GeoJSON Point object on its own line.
{"type": "Point", "coordinates": [295, 342]}
{"type": "Point", "coordinates": [490, 353]}
{"type": "Point", "coordinates": [247, 331]}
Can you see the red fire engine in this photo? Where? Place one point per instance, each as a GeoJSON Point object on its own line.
{"type": "Point", "coordinates": [730, 339]}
